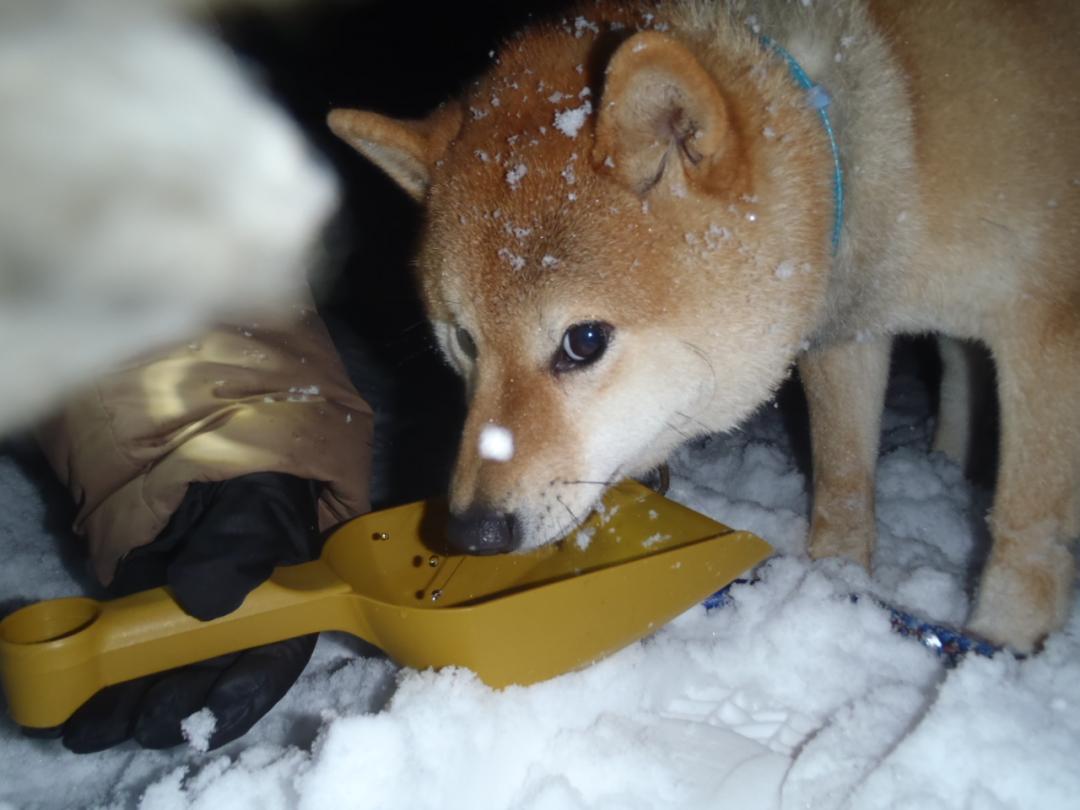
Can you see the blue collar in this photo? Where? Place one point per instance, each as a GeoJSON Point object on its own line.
{"type": "Point", "coordinates": [819, 99]}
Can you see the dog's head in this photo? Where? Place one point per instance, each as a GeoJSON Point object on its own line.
{"type": "Point", "coordinates": [608, 262]}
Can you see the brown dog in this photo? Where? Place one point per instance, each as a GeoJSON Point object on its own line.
{"type": "Point", "coordinates": [641, 217]}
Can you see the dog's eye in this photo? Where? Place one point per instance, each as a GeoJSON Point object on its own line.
{"type": "Point", "coordinates": [466, 343]}
{"type": "Point", "coordinates": [582, 344]}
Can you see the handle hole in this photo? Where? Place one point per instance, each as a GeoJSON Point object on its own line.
{"type": "Point", "coordinates": [48, 621]}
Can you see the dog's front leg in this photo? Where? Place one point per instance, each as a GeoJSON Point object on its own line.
{"type": "Point", "coordinates": [845, 391]}
{"type": "Point", "coordinates": [1027, 583]}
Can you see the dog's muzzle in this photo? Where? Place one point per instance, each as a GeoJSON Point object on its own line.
{"type": "Point", "coordinates": [480, 530]}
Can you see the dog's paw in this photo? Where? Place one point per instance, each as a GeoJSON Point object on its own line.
{"type": "Point", "coordinates": [1021, 601]}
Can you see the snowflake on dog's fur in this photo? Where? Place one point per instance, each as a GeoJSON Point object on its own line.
{"type": "Point", "coordinates": [496, 443]}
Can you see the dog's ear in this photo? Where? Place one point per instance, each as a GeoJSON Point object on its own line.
{"type": "Point", "coordinates": [661, 116]}
{"type": "Point", "coordinates": [405, 150]}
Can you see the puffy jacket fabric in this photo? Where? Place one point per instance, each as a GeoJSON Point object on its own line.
{"type": "Point", "coordinates": [252, 396]}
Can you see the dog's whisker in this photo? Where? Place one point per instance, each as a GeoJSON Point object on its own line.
{"type": "Point", "coordinates": [414, 356]}
{"type": "Point", "coordinates": [553, 528]}
{"type": "Point", "coordinates": [576, 519]}
{"type": "Point", "coordinates": [704, 357]}
{"type": "Point", "coordinates": [450, 302]}
{"type": "Point", "coordinates": [674, 429]}
{"type": "Point", "coordinates": [609, 482]}
{"type": "Point", "coordinates": [414, 326]}
{"type": "Point", "coordinates": [693, 420]}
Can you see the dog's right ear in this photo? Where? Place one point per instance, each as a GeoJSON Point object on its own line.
{"type": "Point", "coordinates": [405, 150]}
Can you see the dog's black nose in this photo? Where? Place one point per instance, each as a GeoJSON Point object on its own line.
{"type": "Point", "coordinates": [479, 530]}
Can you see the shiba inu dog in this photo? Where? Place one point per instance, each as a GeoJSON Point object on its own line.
{"type": "Point", "coordinates": [641, 217]}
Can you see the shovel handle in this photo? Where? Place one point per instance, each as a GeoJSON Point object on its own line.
{"type": "Point", "coordinates": [55, 655]}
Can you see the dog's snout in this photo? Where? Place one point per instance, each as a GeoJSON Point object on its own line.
{"type": "Point", "coordinates": [480, 530]}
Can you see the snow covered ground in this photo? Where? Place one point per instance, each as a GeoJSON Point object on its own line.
{"type": "Point", "coordinates": [792, 696]}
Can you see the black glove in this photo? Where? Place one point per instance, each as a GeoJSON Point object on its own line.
{"type": "Point", "coordinates": [222, 542]}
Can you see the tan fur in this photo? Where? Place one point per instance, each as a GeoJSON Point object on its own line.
{"type": "Point", "coordinates": [692, 210]}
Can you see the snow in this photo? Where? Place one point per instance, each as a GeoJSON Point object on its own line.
{"type": "Point", "coordinates": [496, 443]}
{"type": "Point", "coordinates": [584, 537]}
{"type": "Point", "coordinates": [515, 175]}
{"type": "Point", "coordinates": [198, 728]}
{"type": "Point", "coordinates": [302, 393]}
{"type": "Point", "coordinates": [582, 24]}
{"type": "Point", "coordinates": [569, 122]}
{"type": "Point", "coordinates": [791, 696]}
{"type": "Point", "coordinates": [515, 260]}
{"type": "Point", "coordinates": [785, 270]}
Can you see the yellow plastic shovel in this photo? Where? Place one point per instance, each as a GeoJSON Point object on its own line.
{"type": "Point", "coordinates": [514, 618]}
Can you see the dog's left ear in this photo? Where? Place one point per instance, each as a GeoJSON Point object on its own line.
{"type": "Point", "coordinates": [663, 120]}
{"type": "Point", "coordinates": [405, 150]}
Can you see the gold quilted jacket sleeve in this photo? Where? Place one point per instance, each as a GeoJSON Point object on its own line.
{"type": "Point", "coordinates": [269, 395]}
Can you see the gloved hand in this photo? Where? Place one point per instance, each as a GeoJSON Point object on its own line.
{"type": "Point", "coordinates": [222, 542]}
